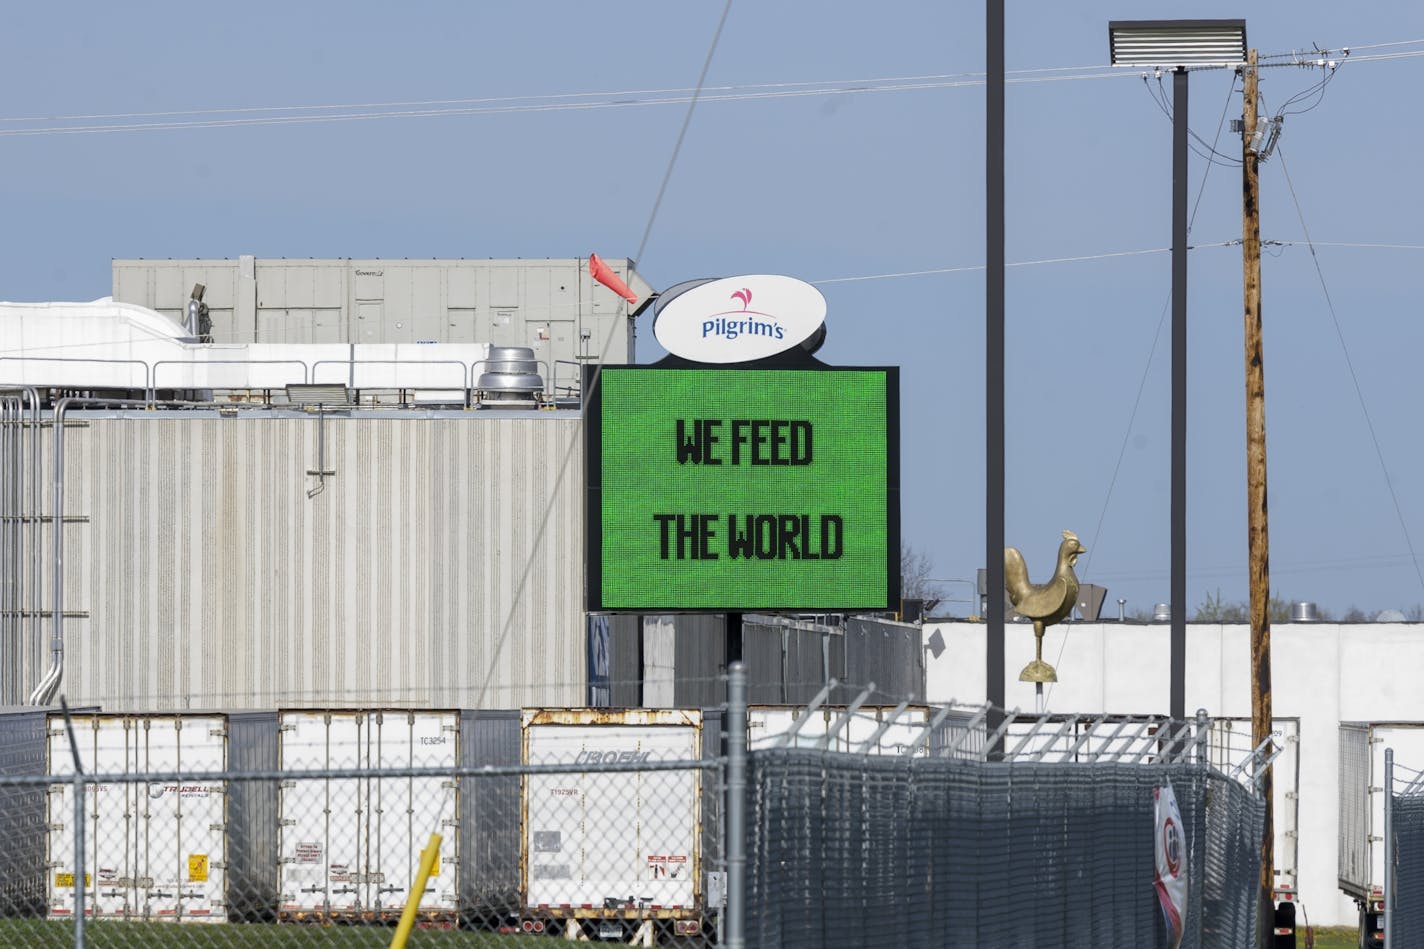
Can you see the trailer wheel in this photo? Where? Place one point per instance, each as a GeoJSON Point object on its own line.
{"type": "Point", "coordinates": [1370, 924]}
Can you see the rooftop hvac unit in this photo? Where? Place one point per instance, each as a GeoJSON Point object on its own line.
{"type": "Point", "coordinates": [511, 378]}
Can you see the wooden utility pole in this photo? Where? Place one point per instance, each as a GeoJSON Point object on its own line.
{"type": "Point", "coordinates": [1258, 546]}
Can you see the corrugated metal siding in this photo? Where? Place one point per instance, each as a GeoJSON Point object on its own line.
{"type": "Point", "coordinates": [489, 817]}
{"type": "Point", "coordinates": [806, 661]}
{"type": "Point", "coordinates": [252, 817]}
{"type": "Point", "coordinates": [625, 636]}
{"type": "Point", "coordinates": [761, 654]}
{"type": "Point", "coordinates": [700, 644]}
{"type": "Point", "coordinates": [210, 578]}
{"type": "Point", "coordinates": [544, 304]}
{"type": "Point", "coordinates": [22, 813]}
{"type": "Point", "coordinates": [788, 661]}
{"type": "Point", "coordinates": [714, 796]}
{"type": "Point", "coordinates": [23, 641]}
{"type": "Point", "coordinates": [891, 655]}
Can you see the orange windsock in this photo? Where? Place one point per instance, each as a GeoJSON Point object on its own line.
{"type": "Point", "coordinates": [604, 274]}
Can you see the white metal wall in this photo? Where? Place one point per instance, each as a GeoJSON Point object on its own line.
{"type": "Point", "coordinates": [207, 577]}
{"type": "Point", "coordinates": [1322, 674]}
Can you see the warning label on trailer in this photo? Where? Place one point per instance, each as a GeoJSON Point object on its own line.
{"type": "Point", "coordinates": [197, 868]}
{"type": "Point", "coordinates": [67, 880]}
{"type": "Point", "coordinates": [666, 866]}
{"type": "Point", "coordinates": [308, 851]}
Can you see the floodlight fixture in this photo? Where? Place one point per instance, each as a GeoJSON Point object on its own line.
{"type": "Point", "coordinates": [1177, 44]}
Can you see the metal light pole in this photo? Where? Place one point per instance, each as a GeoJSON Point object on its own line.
{"type": "Point", "coordinates": [1177, 44]}
{"type": "Point", "coordinates": [994, 467]}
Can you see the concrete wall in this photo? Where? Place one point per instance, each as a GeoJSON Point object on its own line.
{"type": "Point", "coordinates": [1322, 674]}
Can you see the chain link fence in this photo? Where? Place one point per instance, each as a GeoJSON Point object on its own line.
{"type": "Point", "coordinates": [358, 828]}
{"type": "Point", "coordinates": [1404, 855]}
{"type": "Point", "coordinates": [863, 851]}
{"type": "Point", "coordinates": [848, 826]}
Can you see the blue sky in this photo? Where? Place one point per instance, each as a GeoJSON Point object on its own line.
{"type": "Point", "coordinates": [834, 141]}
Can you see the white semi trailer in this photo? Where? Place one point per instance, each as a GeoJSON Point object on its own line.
{"type": "Point", "coordinates": [154, 850]}
{"type": "Point", "coordinates": [349, 847]}
{"type": "Point", "coordinates": [612, 854]}
{"type": "Point", "coordinates": [1362, 795]}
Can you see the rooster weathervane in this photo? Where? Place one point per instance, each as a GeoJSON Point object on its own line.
{"type": "Point", "coordinates": [1044, 603]}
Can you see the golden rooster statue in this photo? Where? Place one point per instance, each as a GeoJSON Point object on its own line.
{"type": "Point", "coordinates": [1044, 603]}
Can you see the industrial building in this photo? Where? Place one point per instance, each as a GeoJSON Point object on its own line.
{"type": "Point", "coordinates": [550, 306]}
{"type": "Point", "coordinates": [354, 496]}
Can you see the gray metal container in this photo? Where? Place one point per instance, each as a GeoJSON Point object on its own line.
{"type": "Point", "coordinates": [625, 672]}
{"type": "Point", "coordinates": [489, 819]}
{"type": "Point", "coordinates": [252, 817]}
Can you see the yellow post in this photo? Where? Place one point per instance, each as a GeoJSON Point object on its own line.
{"type": "Point", "coordinates": [428, 856]}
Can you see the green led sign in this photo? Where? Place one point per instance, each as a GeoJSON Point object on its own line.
{"type": "Point", "coordinates": [721, 490]}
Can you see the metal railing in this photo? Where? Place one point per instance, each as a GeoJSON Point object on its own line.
{"type": "Point", "coordinates": [153, 372]}
{"type": "Point", "coordinates": [469, 372]}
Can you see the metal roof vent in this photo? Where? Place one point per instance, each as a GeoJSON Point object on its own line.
{"type": "Point", "coordinates": [1162, 613]}
{"type": "Point", "coordinates": [511, 378]}
{"type": "Point", "coordinates": [1304, 612]}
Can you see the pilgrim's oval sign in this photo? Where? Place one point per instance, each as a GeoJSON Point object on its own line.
{"type": "Point", "coordinates": [739, 319]}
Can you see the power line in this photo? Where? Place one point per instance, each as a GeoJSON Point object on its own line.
{"type": "Point", "coordinates": [488, 100]}
{"type": "Point", "coordinates": [1206, 152]}
{"type": "Point", "coordinates": [1230, 570]}
{"type": "Point", "coordinates": [1360, 244]}
{"type": "Point", "coordinates": [975, 78]}
{"type": "Point", "coordinates": [1354, 378]}
{"type": "Point", "coordinates": [597, 370]}
{"type": "Point", "coordinates": [677, 145]}
{"type": "Point", "coordinates": [1146, 369]}
{"type": "Point", "coordinates": [240, 116]}
{"type": "Point", "coordinates": [255, 117]}
{"type": "Point", "coordinates": [973, 268]}
{"type": "Point", "coordinates": [1341, 51]}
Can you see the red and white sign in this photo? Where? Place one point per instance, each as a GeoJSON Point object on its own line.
{"type": "Point", "coordinates": [739, 319]}
{"type": "Point", "coordinates": [1171, 852]}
